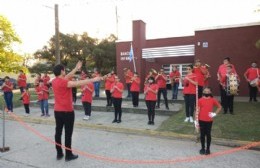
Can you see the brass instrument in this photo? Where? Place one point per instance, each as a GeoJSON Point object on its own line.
{"type": "Point", "coordinates": [153, 71]}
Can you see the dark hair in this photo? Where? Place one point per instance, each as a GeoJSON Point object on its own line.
{"type": "Point", "coordinates": [135, 73]}
{"type": "Point", "coordinates": [40, 80]}
{"type": "Point", "coordinates": [57, 69]}
{"type": "Point", "coordinates": [151, 78]}
{"type": "Point", "coordinates": [21, 70]}
{"type": "Point", "coordinates": [230, 66]}
{"type": "Point", "coordinates": [7, 77]}
{"type": "Point", "coordinates": [191, 66]}
{"type": "Point", "coordinates": [227, 58]}
{"type": "Point", "coordinates": [39, 74]}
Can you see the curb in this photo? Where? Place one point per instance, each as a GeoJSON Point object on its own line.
{"type": "Point", "coordinates": [153, 133]}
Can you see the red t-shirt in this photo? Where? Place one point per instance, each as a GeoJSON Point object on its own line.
{"type": "Point", "coordinates": [42, 92]}
{"type": "Point", "coordinates": [7, 89]}
{"type": "Point", "coordinates": [150, 95]}
{"type": "Point", "coordinates": [128, 76]}
{"type": "Point", "coordinates": [21, 82]}
{"type": "Point", "coordinates": [26, 98]}
{"type": "Point", "coordinates": [222, 70]}
{"type": "Point", "coordinates": [86, 93]}
{"type": "Point", "coordinates": [116, 93]}
{"type": "Point", "coordinates": [205, 106]}
{"type": "Point", "coordinates": [62, 95]}
{"type": "Point", "coordinates": [46, 79]}
{"type": "Point", "coordinates": [190, 88]}
{"type": "Point", "coordinates": [135, 86]}
{"type": "Point", "coordinates": [161, 82]}
{"type": "Point", "coordinates": [200, 75]}
{"type": "Point", "coordinates": [251, 73]}
{"type": "Point", "coordinates": [109, 81]}
{"type": "Point", "coordinates": [175, 74]}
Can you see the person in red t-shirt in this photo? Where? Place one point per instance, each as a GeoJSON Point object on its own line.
{"type": "Point", "coordinates": [86, 99]}
{"type": "Point", "coordinates": [117, 90]}
{"type": "Point", "coordinates": [109, 80]}
{"type": "Point", "coordinates": [135, 89]}
{"type": "Point", "coordinates": [205, 118]}
{"type": "Point", "coordinates": [21, 81]}
{"type": "Point", "coordinates": [128, 74]}
{"type": "Point", "coordinates": [150, 74]}
{"type": "Point", "coordinates": [222, 71]}
{"type": "Point", "coordinates": [46, 79]}
{"type": "Point", "coordinates": [63, 107]}
{"type": "Point", "coordinates": [37, 79]}
{"type": "Point", "coordinates": [26, 101]}
{"type": "Point", "coordinates": [7, 88]}
{"type": "Point", "coordinates": [206, 75]}
{"type": "Point", "coordinates": [189, 82]}
{"type": "Point", "coordinates": [175, 81]}
{"type": "Point", "coordinates": [161, 80]}
{"type": "Point", "coordinates": [252, 74]}
{"type": "Point", "coordinates": [43, 94]}
{"type": "Point", "coordinates": [200, 71]}
{"type": "Point", "coordinates": [150, 92]}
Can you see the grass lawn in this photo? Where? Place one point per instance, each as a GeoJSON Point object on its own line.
{"type": "Point", "coordinates": [243, 125]}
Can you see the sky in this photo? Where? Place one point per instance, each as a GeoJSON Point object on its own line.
{"type": "Point", "coordinates": [33, 20]}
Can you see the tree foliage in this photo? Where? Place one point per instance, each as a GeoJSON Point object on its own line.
{"type": "Point", "coordinates": [74, 47]}
{"type": "Point", "coordinates": [9, 60]}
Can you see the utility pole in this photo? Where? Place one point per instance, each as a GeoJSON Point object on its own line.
{"type": "Point", "coordinates": [57, 36]}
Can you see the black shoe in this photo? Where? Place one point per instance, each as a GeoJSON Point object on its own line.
{"type": "Point", "coordinates": [114, 121]}
{"type": "Point", "coordinates": [118, 121]}
{"type": "Point", "coordinates": [152, 122]}
{"type": "Point", "coordinates": [207, 152]}
{"type": "Point", "coordinates": [167, 108]}
{"type": "Point", "coordinates": [71, 157]}
{"type": "Point", "coordinates": [255, 100]}
{"type": "Point", "coordinates": [202, 151]}
{"type": "Point", "coordinates": [60, 156]}
{"type": "Point", "coordinates": [149, 122]}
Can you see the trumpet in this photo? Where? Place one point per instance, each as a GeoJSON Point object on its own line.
{"type": "Point", "coordinates": [153, 71]}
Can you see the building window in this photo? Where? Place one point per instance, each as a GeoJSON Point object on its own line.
{"type": "Point", "coordinates": [181, 67]}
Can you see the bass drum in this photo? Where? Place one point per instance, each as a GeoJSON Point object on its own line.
{"type": "Point", "coordinates": [232, 85]}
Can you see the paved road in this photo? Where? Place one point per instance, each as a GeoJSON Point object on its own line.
{"type": "Point", "coordinates": [28, 150]}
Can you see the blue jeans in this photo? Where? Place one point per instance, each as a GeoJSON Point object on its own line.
{"type": "Point", "coordinates": [96, 85]}
{"type": "Point", "coordinates": [8, 96]}
{"type": "Point", "coordinates": [44, 106]}
{"type": "Point", "coordinates": [175, 90]}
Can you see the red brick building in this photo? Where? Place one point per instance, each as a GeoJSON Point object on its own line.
{"type": "Point", "coordinates": [208, 45]}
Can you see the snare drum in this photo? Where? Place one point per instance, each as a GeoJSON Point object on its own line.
{"type": "Point", "coordinates": [254, 82]}
{"type": "Point", "coordinates": [232, 84]}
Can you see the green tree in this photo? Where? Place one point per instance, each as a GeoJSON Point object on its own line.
{"type": "Point", "coordinates": [9, 60]}
{"type": "Point", "coordinates": [74, 47]}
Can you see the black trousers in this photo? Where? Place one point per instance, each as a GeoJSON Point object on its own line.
{"type": "Point", "coordinates": [27, 109]}
{"type": "Point", "coordinates": [200, 90]}
{"type": "Point", "coordinates": [205, 130]}
{"type": "Point", "coordinates": [118, 110]}
{"type": "Point", "coordinates": [190, 100]}
{"type": "Point", "coordinates": [252, 92]}
{"type": "Point", "coordinates": [164, 92]}
{"type": "Point", "coordinates": [227, 101]}
{"type": "Point", "coordinates": [74, 97]}
{"type": "Point", "coordinates": [87, 108]}
{"type": "Point", "coordinates": [128, 85]}
{"type": "Point", "coordinates": [64, 119]}
{"type": "Point", "coordinates": [109, 98]}
{"type": "Point", "coordinates": [150, 109]}
{"type": "Point", "coordinates": [135, 98]}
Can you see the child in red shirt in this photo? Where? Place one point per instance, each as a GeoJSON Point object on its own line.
{"type": "Point", "coordinates": [43, 94]}
{"type": "Point", "coordinates": [117, 90]}
{"type": "Point", "coordinates": [135, 89]}
{"type": "Point", "coordinates": [205, 118]}
{"type": "Point", "coordinates": [109, 80]}
{"type": "Point", "coordinates": [26, 101]}
{"type": "Point", "coordinates": [150, 92]}
{"type": "Point", "coordinates": [21, 81]}
{"type": "Point", "coordinates": [87, 92]}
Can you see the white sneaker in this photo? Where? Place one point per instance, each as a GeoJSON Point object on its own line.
{"type": "Point", "coordinates": [26, 115]}
{"type": "Point", "coordinates": [86, 117]}
{"type": "Point", "coordinates": [191, 119]}
{"type": "Point", "coordinates": [186, 119]}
